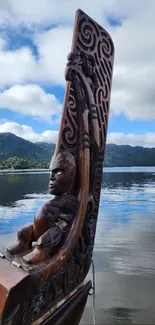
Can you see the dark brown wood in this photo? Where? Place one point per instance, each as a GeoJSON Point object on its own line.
{"type": "Point", "coordinates": [65, 314]}
{"type": "Point", "coordinates": [64, 227]}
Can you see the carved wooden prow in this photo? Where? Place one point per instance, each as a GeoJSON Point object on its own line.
{"type": "Point", "coordinates": [42, 275]}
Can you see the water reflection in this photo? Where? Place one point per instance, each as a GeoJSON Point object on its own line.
{"type": "Point", "coordinates": [127, 179]}
{"type": "Point", "coordinates": [14, 187]}
{"type": "Point", "coordinates": [118, 315]}
{"type": "Point", "coordinates": [124, 252]}
{"type": "Point", "coordinates": [20, 197]}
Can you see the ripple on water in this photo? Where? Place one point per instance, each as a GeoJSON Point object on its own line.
{"type": "Point", "coordinates": [124, 252]}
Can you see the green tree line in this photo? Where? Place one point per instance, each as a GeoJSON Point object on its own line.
{"type": "Point", "coordinates": [20, 163]}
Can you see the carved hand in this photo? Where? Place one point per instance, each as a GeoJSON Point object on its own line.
{"type": "Point", "coordinates": [25, 237]}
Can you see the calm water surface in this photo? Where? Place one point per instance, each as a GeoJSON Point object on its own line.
{"type": "Point", "coordinates": [124, 253]}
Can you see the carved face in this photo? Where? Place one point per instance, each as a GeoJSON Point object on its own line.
{"type": "Point", "coordinates": [62, 173]}
{"type": "Point", "coordinates": [82, 62]}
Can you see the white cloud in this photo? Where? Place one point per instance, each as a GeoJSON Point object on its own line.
{"type": "Point", "coordinates": [26, 132]}
{"type": "Point", "coordinates": [30, 100]}
{"type": "Point", "coordinates": [134, 70]}
{"type": "Point", "coordinates": [144, 140]}
{"type": "Point", "coordinates": [2, 43]}
{"type": "Point", "coordinates": [53, 47]}
{"type": "Point", "coordinates": [20, 65]}
{"type": "Point", "coordinates": [16, 66]}
{"type": "Point", "coordinates": [45, 12]}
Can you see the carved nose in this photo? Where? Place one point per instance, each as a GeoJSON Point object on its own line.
{"type": "Point", "coordinates": [52, 177]}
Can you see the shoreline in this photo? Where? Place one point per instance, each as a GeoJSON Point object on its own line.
{"type": "Point", "coordinates": [105, 169]}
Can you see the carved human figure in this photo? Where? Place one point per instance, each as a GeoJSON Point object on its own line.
{"type": "Point", "coordinates": [53, 220]}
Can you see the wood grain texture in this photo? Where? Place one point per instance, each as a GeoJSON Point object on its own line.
{"type": "Point", "coordinates": [50, 278]}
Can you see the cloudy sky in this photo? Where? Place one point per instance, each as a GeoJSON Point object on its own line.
{"type": "Point", "coordinates": [35, 38]}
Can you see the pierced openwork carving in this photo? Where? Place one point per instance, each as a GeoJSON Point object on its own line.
{"type": "Point", "coordinates": [64, 227]}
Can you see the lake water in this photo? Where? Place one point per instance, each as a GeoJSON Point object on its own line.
{"type": "Point", "coordinates": [124, 252]}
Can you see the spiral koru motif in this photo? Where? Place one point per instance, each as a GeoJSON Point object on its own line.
{"type": "Point", "coordinates": [92, 40]}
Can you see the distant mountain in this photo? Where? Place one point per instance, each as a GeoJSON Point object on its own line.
{"type": "Point", "coordinates": [46, 146]}
{"type": "Point", "coordinates": [115, 156]}
{"type": "Point", "coordinates": [127, 156]}
{"type": "Point", "coordinates": [13, 146]}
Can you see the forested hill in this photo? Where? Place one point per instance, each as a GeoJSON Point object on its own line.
{"type": "Point", "coordinates": [13, 146]}
{"type": "Point", "coordinates": [127, 156]}
{"type": "Point", "coordinates": [115, 156]}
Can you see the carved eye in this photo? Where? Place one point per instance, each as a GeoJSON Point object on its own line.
{"type": "Point", "coordinates": [58, 173]}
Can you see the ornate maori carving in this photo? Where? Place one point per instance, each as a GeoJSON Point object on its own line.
{"type": "Point", "coordinates": [64, 228]}
{"type": "Point", "coordinates": [53, 220]}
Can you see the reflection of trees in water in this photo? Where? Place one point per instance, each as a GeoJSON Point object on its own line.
{"type": "Point", "coordinates": [112, 316]}
{"type": "Point", "coordinates": [119, 315]}
{"type": "Point", "coordinates": [115, 180]}
{"type": "Point", "coordinates": [14, 187]}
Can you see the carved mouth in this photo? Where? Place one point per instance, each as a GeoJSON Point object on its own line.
{"type": "Point", "coordinates": [51, 185]}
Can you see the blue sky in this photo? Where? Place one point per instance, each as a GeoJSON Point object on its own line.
{"type": "Point", "coordinates": [35, 38]}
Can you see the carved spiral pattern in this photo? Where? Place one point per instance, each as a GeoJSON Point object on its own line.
{"type": "Point", "coordinates": [91, 39]}
{"type": "Point", "coordinates": [94, 40]}
{"type": "Point", "coordinates": [69, 134]}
